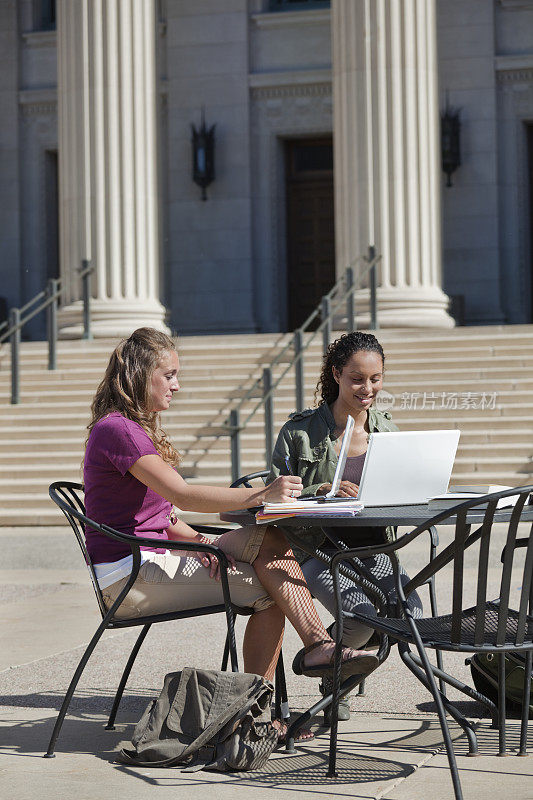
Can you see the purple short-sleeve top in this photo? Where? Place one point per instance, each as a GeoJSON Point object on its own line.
{"type": "Point", "coordinates": [113, 495]}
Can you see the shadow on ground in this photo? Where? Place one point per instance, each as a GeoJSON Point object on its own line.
{"type": "Point", "coordinates": [306, 770]}
{"type": "Point", "coordinates": [97, 701]}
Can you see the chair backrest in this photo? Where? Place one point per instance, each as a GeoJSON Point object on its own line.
{"type": "Point", "coordinates": [494, 625]}
{"type": "Point", "coordinates": [68, 496]}
{"type": "Point", "coordinates": [244, 480]}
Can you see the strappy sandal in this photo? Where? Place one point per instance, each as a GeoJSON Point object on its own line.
{"type": "Point", "coordinates": [358, 665]}
{"type": "Point", "coordinates": [303, 736]}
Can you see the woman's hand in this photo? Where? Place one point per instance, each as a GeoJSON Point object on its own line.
{"type": "Point", "coordinates": [211, 562]}
{"type": "Point", "coordinates": [180, 531]}
{"type": "Point", "coordinates": [283, 489]}
{"type": "Point", "coordinates": [346, 489]}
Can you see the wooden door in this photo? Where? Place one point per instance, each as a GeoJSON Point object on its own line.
{"type": "Point", "coordinates": [310, 226]}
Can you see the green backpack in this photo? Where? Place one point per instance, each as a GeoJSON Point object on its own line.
{"type": "Point", "coordinates": [485, 669]}
{"type": "Point", "coordinates": [205, 719]}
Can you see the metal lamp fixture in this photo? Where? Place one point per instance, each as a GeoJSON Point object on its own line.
{"type": "Point", "coordinates": [450, 133]}
{"type": "Point", "coordinates": [203, 155]}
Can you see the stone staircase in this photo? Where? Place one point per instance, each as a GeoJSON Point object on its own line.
{"type": "Point", "coordinates": [477, 379]}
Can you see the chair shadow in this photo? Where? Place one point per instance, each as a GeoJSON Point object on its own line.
{"type": "Point", "coordinates": [488, 741]}
{"type": "Point", "coordinates": [83, 732]}
{"type": "Point", "coordinates": [306, 770]}
{"type": "Point", "coordinates": [83, 729]}
{"type": "Point", "coordinates": [468, 708]}
{"type": "Point", "coordinates": [83, 700]}
{"type": "Point", "coordinates": [429, 736]}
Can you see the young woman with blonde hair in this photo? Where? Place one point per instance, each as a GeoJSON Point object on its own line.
{"type": "Point", "coordinates": [132, 483]}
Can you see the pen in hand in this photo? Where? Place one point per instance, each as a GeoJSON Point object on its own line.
{"type": "Point", "coordinates": [289, 468]}
{"type": "Point", "coordinates": [290, 472]}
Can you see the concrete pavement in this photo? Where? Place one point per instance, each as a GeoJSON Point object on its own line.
{"type": "Point", "coordinates": [391, 749]}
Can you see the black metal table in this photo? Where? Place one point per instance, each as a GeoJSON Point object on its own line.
{"type": "Point", "coordinates": [379, 517]}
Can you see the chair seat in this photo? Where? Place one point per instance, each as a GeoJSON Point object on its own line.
{"type": "Point", "coordinates": [436, 631]}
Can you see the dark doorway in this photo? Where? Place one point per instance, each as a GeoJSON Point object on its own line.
{"type": "Point", "coordinates": [310, 225]}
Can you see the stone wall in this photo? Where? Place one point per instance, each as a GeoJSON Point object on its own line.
{"type": "Point", "coordinates": [263, 78]}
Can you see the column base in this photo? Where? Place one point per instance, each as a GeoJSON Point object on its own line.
{"type": "Point", "coordinates": [111, 318]}
{"type": "Point", "coordinates": [403, 308]}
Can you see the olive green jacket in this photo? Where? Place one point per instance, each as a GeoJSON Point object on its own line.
{"type": "Point", "coordinates": [307, 440]}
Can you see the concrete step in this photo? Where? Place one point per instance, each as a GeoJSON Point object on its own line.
{"type": "Point", "coordinates": [14, 452]}
{"type": "Point", "coordinates": [203, 347]}
{"type": "Point", "coordinates": [209, 393]}
{"type": "Point", "coordinates": [27, 518]}
{"type": "Point", "coordinates": [518, 426]}
{"type": "Point", "coordinates": [208, 354]}
{"type": "Point", "coordinates": [205, 468]}
{"type": "Point", "coordinates": [211, 386]}
{"type": "Point", "coordinates": [42, 439]}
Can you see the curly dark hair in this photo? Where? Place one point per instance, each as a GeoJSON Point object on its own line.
{"type": "Point", "coordinates": [337, 355]}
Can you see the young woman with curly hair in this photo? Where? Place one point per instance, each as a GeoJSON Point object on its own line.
{"type": "Point", "coordinates": [351, 377]}
{"type": "Point", "coordinates": [132, 483]}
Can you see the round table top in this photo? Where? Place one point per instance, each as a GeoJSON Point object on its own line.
{"type": "Point", "coordinates": [378, 516]}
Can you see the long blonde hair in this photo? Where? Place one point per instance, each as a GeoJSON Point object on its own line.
{"type": "Point", "coordinates": [126, 387]}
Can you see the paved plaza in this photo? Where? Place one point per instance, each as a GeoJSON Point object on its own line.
{"type": "Point", "coordinates": [391, 749]}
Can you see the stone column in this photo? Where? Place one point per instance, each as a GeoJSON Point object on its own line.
{"type": "Point", "coordinates": [107, 163]}
{"type": "Point", "coordinates": [386, 145]}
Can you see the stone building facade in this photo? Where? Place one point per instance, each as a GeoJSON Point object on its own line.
{"type": "Point", "coordinates": [97, 104]}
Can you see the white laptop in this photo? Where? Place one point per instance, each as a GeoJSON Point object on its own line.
{"type": "Point", "coordinates": [407, 467]}
{"type": "Point", "coordinates": [339, 471]}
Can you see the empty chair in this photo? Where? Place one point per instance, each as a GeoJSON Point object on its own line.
{"type": "Point", "coordinates": [495, 623]}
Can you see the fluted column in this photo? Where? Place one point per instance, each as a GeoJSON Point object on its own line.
{"type": "Point", "coordinates": [386, 134]}
{"type": "Point", "coordinates": [107, 163]}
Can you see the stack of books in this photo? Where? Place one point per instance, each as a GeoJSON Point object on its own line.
{"type": "Point", "coordinates": [459, 494]}
{"type": "Point", "coordinates": [305, 508]}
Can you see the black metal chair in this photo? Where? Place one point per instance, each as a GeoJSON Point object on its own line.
{"type": "Point", "coordinates": [488, 626]}
{"type": "Point", "coordinates": [68, 496]}
{"type": "Point", "coordinates": [244, 480]}
{"type": "Point", "coordinates": [430, 583]}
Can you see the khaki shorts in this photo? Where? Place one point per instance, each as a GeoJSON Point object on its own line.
{"type": "Point", "coordinates": [172, 583]}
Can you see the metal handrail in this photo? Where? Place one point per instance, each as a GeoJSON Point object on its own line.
{"type": "Point", "coordinates": [312, 316]}
{"type": "Point", "coordinates": [16, 322]}
{"type": "Point", "coordinates": [326, 310]}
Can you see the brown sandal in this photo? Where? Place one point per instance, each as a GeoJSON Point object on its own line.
{"type": "Point", "coordinates": [358, 665]}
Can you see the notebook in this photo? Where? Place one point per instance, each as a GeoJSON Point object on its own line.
{"type": "Point", "coordinates": [407, 467]}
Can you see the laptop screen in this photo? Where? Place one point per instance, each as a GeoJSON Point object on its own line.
{"type": "Point", "coordinates": [339, 472]}
{"type": "Point", "coordinates": [404, 467]}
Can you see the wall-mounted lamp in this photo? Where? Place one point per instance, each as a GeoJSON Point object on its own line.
{"type": "Point", "coordinates": [203, 155]}
{"type": "Point", "coordinates": [450, 136]}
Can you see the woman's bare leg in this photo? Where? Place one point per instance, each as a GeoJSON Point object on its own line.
{"type": "Point", "coordinates": [282, 577]}
{"type": "Point", "coordinates": [262, 641]}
